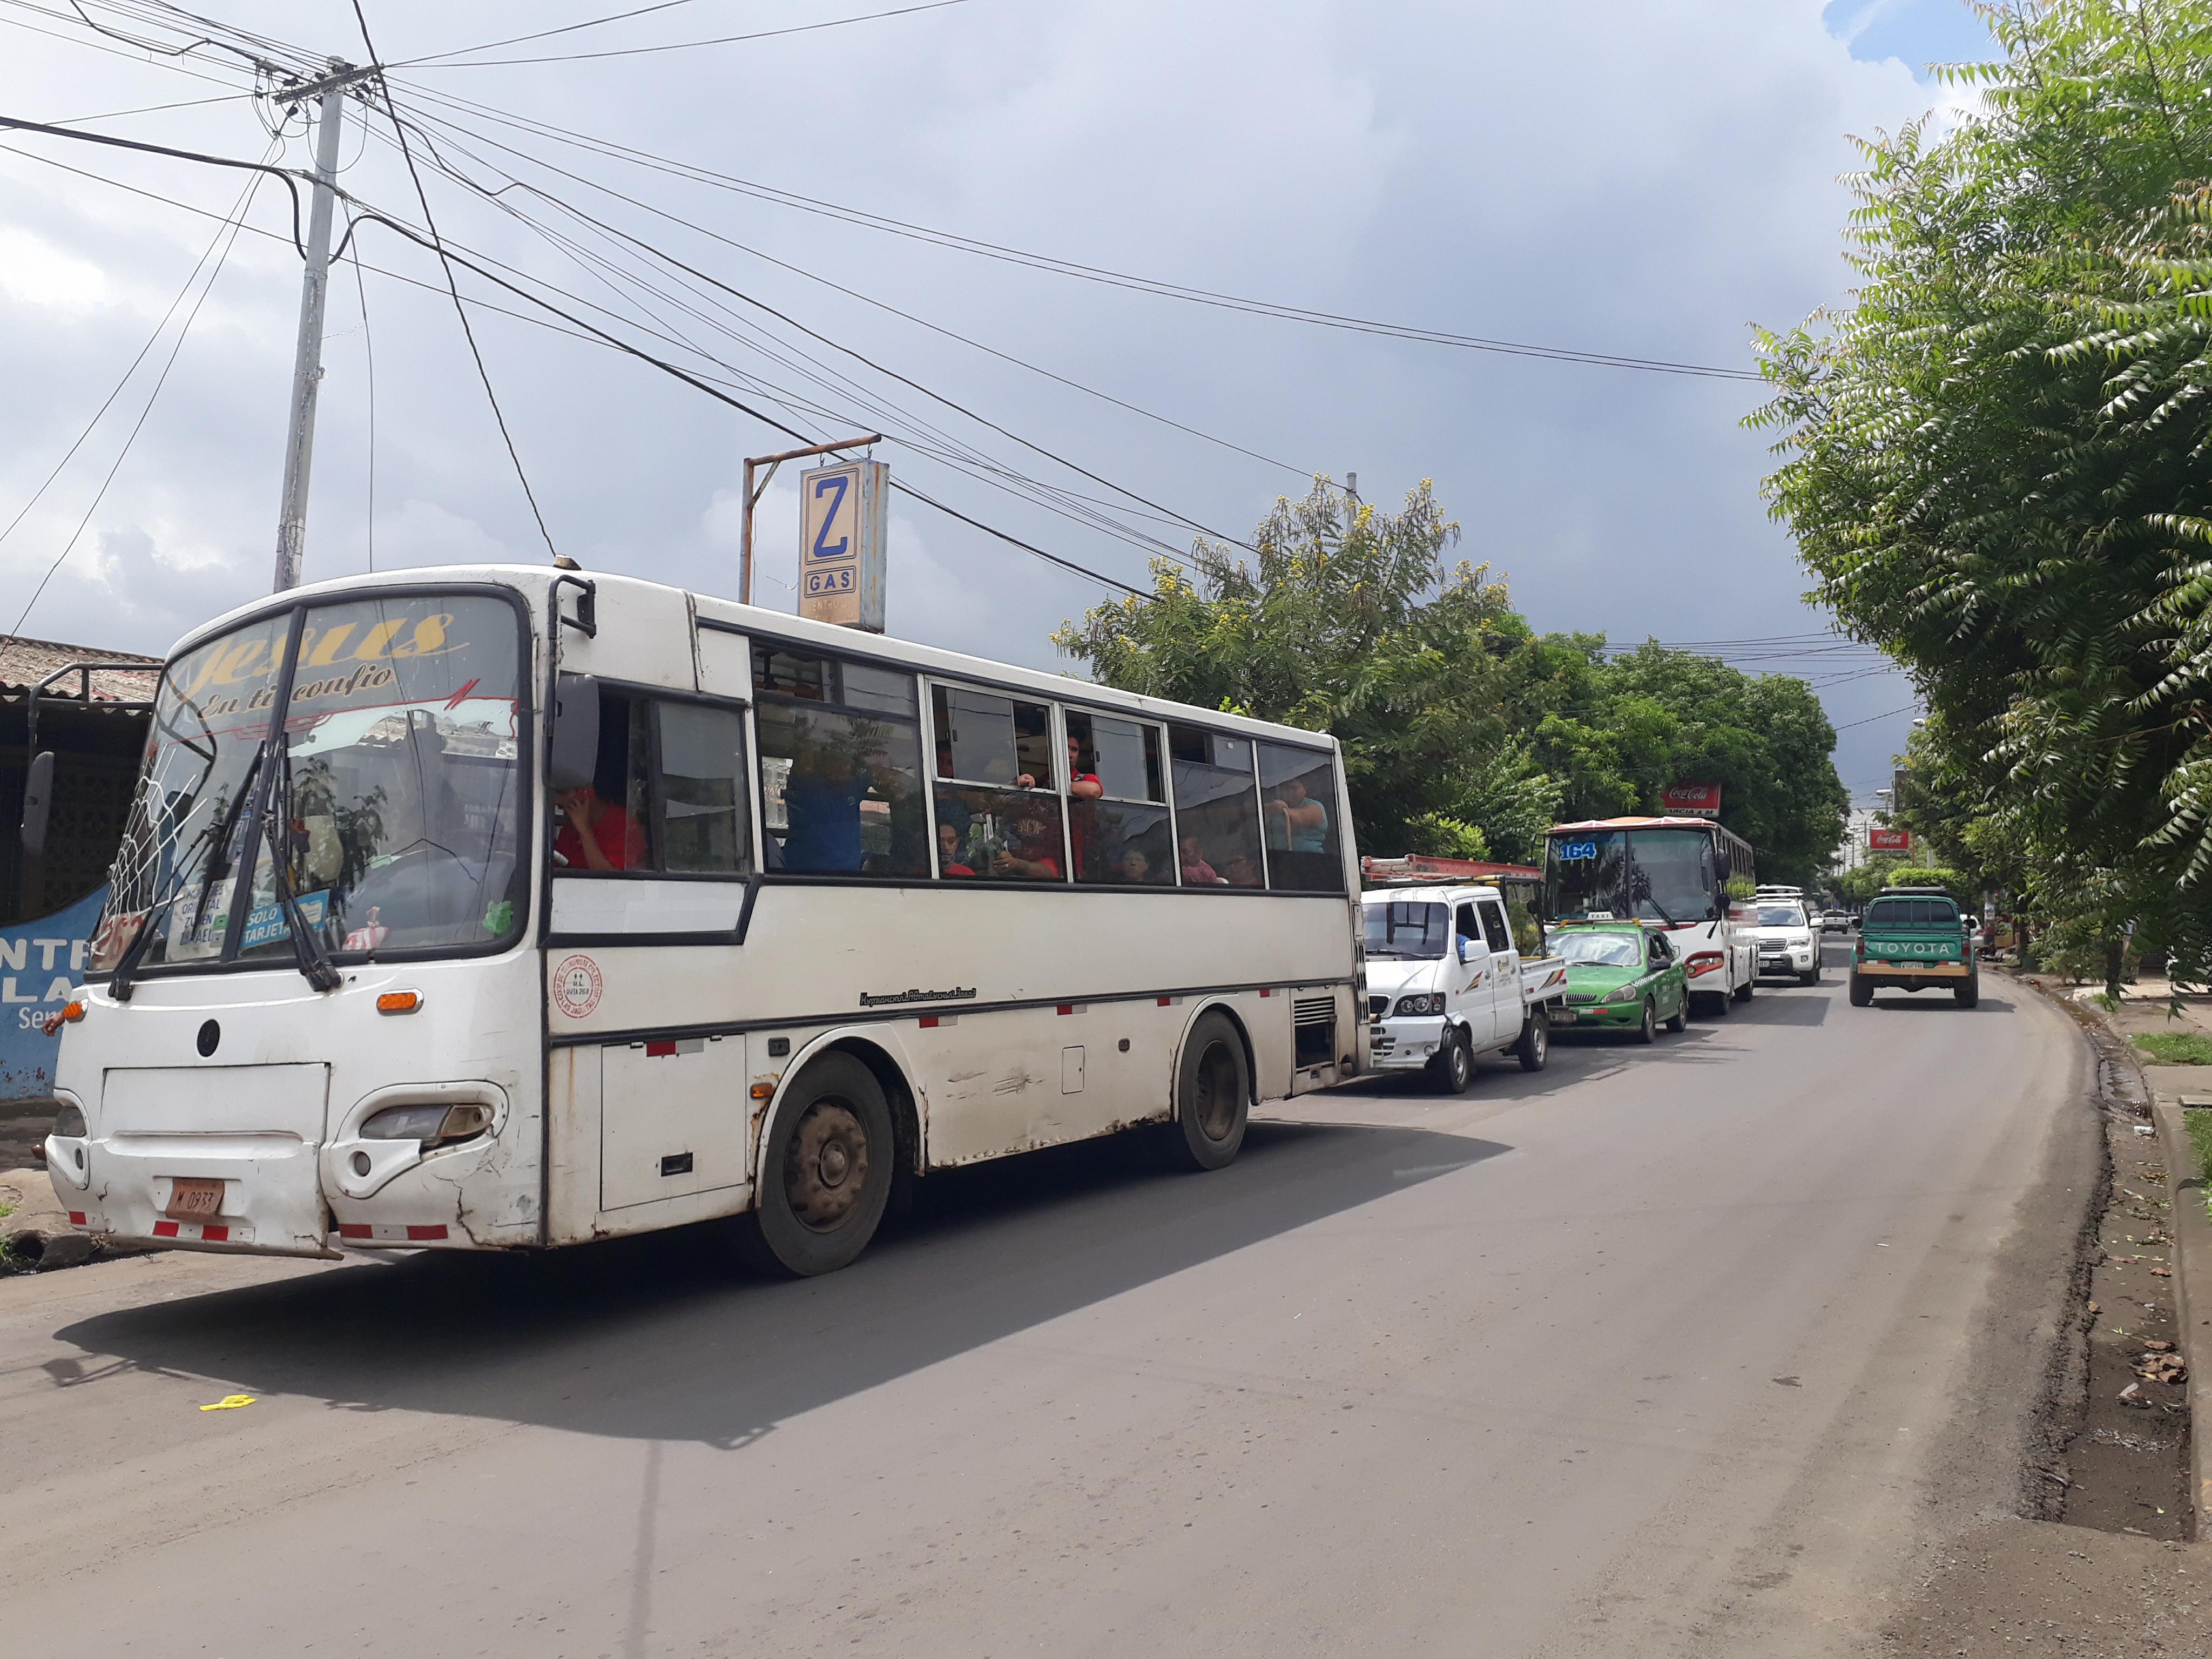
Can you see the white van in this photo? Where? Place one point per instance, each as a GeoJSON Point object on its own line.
{"type": "Point", "coordinates": [1445, 983]}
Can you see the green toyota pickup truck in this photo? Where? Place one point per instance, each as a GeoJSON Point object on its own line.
{"type": "Point", "coordinates": [1910, 939]}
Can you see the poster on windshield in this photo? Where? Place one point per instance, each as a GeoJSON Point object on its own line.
{"type": "Point", "coordinates": [41, 961]}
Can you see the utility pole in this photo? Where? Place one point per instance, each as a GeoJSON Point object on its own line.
{"type": "Point", "coordinates": [307, 356]}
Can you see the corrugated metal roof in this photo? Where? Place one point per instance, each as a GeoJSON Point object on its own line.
{"type": "Point", "coordinates": [24, 663]}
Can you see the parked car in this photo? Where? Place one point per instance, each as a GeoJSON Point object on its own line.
{"type": "Point", "coordinates": [1835, 921]}
{"type": "Point", "coordinates": [1445, 983]}
{"type": "Point", "coordinates": [1622, 976]}
{"type": "Point", "coordinates": [1787, 947]}
{"type": "Point", "coordinates": [1910, 939]}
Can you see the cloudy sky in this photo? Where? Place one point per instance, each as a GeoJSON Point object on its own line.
{"type": "Point", "coordinates": [1621, 177]}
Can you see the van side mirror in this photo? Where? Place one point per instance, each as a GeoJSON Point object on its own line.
{"type": "Point", "coordinates": [37, 802]}
{"type": "Point", "coordinates": [575, 752]}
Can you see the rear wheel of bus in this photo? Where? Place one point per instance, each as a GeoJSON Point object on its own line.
{"type": "Point", "coordinates": [1213, 1095]}
{"type": "Point", "coordinates": [825, 1173]}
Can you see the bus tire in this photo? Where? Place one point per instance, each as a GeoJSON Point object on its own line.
{"type": "Point", "coordinates": [1743, 991]}
{"type": "Point", "coordinates": [1536, 1045]}
{"type": "Point", "coordinates": [1452, 1069]}
{"type": "Point", "coordinates": [1212, 1097]}
{"type": "Point", "coordinates": [825, 1173]}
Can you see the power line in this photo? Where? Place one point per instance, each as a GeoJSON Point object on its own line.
{"type": "Point", "coordinates": [678, 46]}
{"type": "Point", "coordinates": [1100, 274]}
{"type": "Point", "coordinates": [154, 109]}
{"type": "Point", "coordinates": [867, 300]}
{"type": "Point", "coordinates": [239, 216]}
{"type": "Point", "coordinates": [544, 35]}
{"type": "Point", "coordinates": [459, 310]}
{"type": "Point", "coordinates": [1909, 708]}
{"type": "Point", "coordinates": [436, 244]}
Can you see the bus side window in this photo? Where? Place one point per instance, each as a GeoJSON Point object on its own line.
{"type": "Point", "coordinates": [703, 828]}
{"type": "Point", "coordinates": [615, 811]}
{"type": "Point", "coordinates": [1216, 808]}
{"type": "Point", "coordinates": [840, 765]}
{"type": "Point", "coordinates": [1299, 800]}
{"type": "Point", "coordinates": [1118, 829]}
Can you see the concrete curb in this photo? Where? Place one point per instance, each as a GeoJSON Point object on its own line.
{"type": "Point", "coordinates": [2192, 1295]}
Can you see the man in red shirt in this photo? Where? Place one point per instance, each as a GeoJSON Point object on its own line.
{"type": "Point", "coordinates": [597, 836]}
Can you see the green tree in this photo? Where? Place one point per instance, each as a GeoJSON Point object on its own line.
{"type": "Point", "coordinates": [1350, 624]}
{"type": "Point", "coordinates": [1994, 460]}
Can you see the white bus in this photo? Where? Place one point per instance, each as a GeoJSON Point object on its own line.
{"type": "Point", "coordinates": [556, 908]}
{"type": "Point", "coordinates": [1689, 875]}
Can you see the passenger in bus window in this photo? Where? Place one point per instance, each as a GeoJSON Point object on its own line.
{"type": "Point", "coordinates": [1196, 871]}
{"type": "Point", "coordinates": [1134, 866]}
{"type": "Point", "coordinates": [1296, 821]}
{"type": "Point", "coordinates": [598, 835]}
{"type": "Point", "coordinates": [1031, 854]}
{"type": "Point", "coordinates": [823, 801]}
{"type": "Point", "coordinates": [1242, 870]}
{"type": "Point", "coordinates": [949, 855]}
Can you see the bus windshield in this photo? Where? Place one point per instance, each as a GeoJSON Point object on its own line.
{"type": "Point", "coordinates": [1650, 875]}
{"type": "Point", "coordinates": [390, 791]}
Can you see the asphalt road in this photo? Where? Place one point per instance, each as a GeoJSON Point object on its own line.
{"type": "Point", "coordinates": [1695, 1349]}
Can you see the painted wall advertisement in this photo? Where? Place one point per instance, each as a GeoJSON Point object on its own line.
{"type": "Point", "coordinates": [41, 961]}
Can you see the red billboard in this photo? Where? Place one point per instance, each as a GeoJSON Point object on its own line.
{"type": "Point", "coordinates": [1699, 800]}
{"type": "Point", "coordinates": [1879, 840]}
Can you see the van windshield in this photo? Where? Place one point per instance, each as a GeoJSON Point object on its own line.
{"type": "Point", "coordinates": [385, 805]}
{"type": "Point", "coordinates": [1410, 930]}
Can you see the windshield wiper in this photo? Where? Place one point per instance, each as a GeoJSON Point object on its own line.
{"type": "Point", "coordinates": [313, 965]}
{"type": "Point", "coordinates": [218, 833]}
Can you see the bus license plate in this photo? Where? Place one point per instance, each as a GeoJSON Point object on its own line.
{"type": "Point", "coordinates": [193, 1199]}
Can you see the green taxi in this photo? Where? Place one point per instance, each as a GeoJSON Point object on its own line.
{"type": "Point", "coordinates": [1622, 976]}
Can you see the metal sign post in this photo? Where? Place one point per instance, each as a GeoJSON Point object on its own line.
{"type": "Point", "coordinates": [753, 495]}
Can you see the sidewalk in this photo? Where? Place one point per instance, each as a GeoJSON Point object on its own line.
{"type": "Point", "coordinates": [2146, 1007]}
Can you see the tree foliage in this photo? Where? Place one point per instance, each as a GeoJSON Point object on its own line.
{"type": "Point", "coordinates": [1995, 461]}
{"type": "Point", "coordinates": [1464, 734]}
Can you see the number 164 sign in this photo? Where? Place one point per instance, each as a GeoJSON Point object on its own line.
{"type": "Point", "coordinates": [840, 543]}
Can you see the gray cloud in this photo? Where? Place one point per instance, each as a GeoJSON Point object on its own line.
{"type": "Point", "coordinates": [1633, 179]}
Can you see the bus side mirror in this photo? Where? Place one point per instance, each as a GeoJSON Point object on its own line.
{"type": "Point", "coordinates": [575, 754]}
{"type": "Point", "coordinates": [37, 802]}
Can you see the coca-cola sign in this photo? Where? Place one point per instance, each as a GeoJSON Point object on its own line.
{"type": "Point", "coordinates": [1697, 800]}
{"type": "Point", "coordinates": [1881, 840]}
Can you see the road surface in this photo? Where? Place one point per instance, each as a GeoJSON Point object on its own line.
{"type": "Point", "coordinates": [1694, 1349]}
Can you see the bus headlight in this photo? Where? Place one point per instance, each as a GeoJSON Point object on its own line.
{"type": "Point", "coordinates": [1419, 1005]}
{"type": "Point", "coordinates": [434, 1126]}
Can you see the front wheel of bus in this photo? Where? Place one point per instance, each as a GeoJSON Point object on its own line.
{"type": "Point", "coordinates": [1213, 1095]}
{"type": "Point", "coordinates": [825, 1174]}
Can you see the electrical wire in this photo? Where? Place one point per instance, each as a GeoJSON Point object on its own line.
{"type": "Point", "coordinates": [867, 300]}
{"type": "Point", "coordinates": [439, 245]}
{"type": "Point", "coordinates": [680, 45]}
{"type": "Point", "coordinates": [1100, 274]}
{"type": "Point", "coordinates": [546, 34]}
{"type": "Point", "coordinates": [459, 310]}
{"type": "Point", "coordinates": [368, 349]}
{"type": "Point", "coordinates": [239, 216]}
{"type": "Point", "coordinates": [153, 109]}
{"type": "Point", "coordinates": [152, 339]}
{"type": "Point", "coordinates": [1909, 708]}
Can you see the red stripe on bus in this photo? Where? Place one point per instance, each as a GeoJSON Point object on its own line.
{"type": "Point", "coordinates": [165, 1230]}
{"type": "Point", "coordinates": [217, 1235]}
{"type": "Point", "coordinates": [1164, 1001]}
{"type": "Point", "coordinates": [355, 1230]}
{"type": "Point", "coordinates": [1066, 1007]}
{"type": "Point", "coordinates": [928, 1022]}
{"type": "Point", "coordinates": [420, 1233]}
{"type": "Point", "coordinates": [77, 1218]}
{"type": "Point", "coordinates": [654, 1050]}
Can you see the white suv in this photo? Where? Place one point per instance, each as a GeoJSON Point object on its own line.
{"type": "Point", "coordinates": [1789, 943]}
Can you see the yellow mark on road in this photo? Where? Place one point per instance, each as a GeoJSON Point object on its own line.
{"type": "Point", "coordinates": [229, 1402]}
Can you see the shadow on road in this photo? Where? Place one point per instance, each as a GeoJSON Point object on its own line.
{"type": "Point", "coordinates": [1904, 1002]}
{"type": "Point", "coordinates": [656, 1338]}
